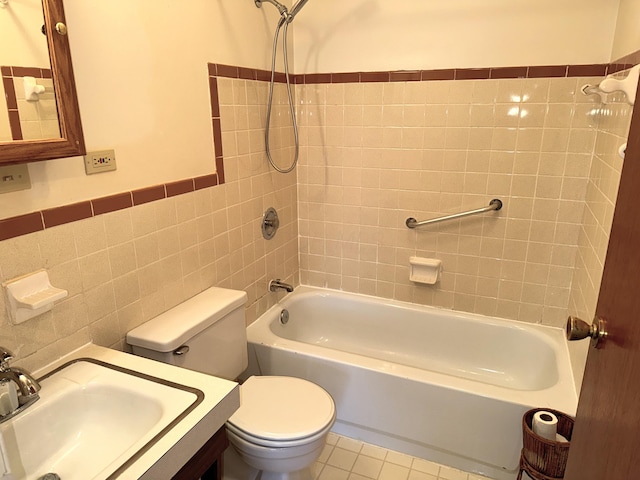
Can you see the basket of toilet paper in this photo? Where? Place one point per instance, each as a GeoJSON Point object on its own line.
{"type": "Point", "coordinates": [546, 440]}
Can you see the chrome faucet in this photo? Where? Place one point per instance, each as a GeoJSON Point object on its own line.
{"type": "Point", "coordinates": [277, 284]}
{"type": "Point", "coordinates": [28, 387]}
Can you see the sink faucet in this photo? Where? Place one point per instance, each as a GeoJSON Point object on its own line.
{"type": "Point", "coordinates": [28, 387]}
{"type": "Point", "coordinates": [276, 284]}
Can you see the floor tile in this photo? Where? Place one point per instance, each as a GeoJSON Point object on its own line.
{"type": "Point", "coordinates": [391, 471]}
{"type": "Point", "coordinates": [346, 458]}
{"type": "Point", "coordinates": [333, 473]}
{"type": "Point", "coordinates": [367, 466]}
{"type": "Point", "coordinates": [342, 458]}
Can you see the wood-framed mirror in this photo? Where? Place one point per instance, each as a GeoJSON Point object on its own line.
{"type": "Point", "coordinates": [67, 140]}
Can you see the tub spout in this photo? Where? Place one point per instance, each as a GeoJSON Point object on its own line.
{"type": "Point", "coordinates": [275, 285]}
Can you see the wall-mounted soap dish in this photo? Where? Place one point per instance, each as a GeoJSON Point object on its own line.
{"type": "Point", "coordinates": [31, 295]}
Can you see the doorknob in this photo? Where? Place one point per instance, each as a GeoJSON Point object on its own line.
{"type": "Point", "coordinates": [578, 329]}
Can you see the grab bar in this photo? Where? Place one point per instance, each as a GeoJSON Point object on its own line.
{"type": "Point", "coordinates": [495, 204]}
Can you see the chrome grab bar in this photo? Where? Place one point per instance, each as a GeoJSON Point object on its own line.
{"type": "Point", "coordinates": [495, 204]}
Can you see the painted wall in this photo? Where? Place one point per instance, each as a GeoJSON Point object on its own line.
{"type": "Point", "coordinates": [141, 75]}
{"type": "Point", "coordinates": [627, 35]}
{"type": "Point", "coordinates": [370, 35]}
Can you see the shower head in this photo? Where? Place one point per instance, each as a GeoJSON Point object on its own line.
{"type": "Point", "coordinates": [288, 16]}
{"type": "Point", "coordinates": [281, 8]}
{"type": "Point", "coordinates": [296, 8]}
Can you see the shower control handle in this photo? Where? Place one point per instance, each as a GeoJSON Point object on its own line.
{"type": "Point", "coordinates": [578, 329]}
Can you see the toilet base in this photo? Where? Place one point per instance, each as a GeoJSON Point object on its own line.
{"type": "Point", "coordinates": [304, 474]}
{"type": "Point", "coordinates": [236, 469]}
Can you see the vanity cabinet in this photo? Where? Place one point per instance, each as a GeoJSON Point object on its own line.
{"type": "Point", "coordinates": [207, 463]}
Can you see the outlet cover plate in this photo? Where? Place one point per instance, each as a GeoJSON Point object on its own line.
{"type": "Point", "coordinates": [14, 178]}
{"type": "Point", "coordinates": [100, 161]}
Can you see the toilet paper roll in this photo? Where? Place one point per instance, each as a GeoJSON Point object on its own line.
{"type": "Point", "coordinates": [545, 424]}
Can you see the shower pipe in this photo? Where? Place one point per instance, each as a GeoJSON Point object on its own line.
{"type": "Point", "coordinates": [286, 17]}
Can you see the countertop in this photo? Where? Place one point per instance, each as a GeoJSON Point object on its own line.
{"type": "Point", "coordinates": [165, 458]}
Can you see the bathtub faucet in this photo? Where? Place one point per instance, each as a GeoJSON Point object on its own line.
{"type": "Point", "coordinates": [276, 284]}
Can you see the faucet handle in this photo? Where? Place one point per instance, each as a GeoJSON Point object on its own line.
{"type": "Point", "coordinates": [5, 356]}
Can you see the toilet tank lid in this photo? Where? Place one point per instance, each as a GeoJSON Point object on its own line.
{"type": "Point", "coordinates": [173, 328]}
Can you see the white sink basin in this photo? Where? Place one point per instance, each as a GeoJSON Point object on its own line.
{"type": "Point", "coordinates": [92, 420]}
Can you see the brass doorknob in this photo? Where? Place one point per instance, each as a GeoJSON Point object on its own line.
{"type": "Point", "coordinates": [578, 329]}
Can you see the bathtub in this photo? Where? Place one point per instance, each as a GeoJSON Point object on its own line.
{"type": "Point", "coordinates": [441, 385]}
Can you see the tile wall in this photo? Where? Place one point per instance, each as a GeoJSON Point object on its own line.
{"type": "Point", "coordinates": [377, 153]}
{"type": "Point", "coordinates": [602, 191]}
{"type": "Point", "coordinates": [373, 154]}
{"type": "Point", "coordinates": [124, 267]}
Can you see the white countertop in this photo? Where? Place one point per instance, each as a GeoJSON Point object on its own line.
{"type": "Point", "coordinates": [165, 458]}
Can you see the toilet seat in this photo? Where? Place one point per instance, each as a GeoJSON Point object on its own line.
{"type": "Point", "coordinates": [275, 412]}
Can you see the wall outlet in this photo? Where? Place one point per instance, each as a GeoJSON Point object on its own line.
{"type": "Point", "coordinates": [14, 178]}
{"type": "Point", "coordinates": [100, 161]}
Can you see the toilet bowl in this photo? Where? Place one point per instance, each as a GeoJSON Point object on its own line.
{"type": "Point", "coordinates": [281, 426]}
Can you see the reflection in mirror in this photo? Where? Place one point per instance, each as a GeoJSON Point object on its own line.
{"type": "Point", "coordinates": [39, 118]}
{"type": "Point", "coordinates": [27, 113]}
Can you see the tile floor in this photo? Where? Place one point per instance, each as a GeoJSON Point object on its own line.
{"type": "Point", "coordinates": [346, 459]}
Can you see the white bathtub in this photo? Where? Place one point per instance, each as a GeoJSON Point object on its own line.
{"type": "Point", "coordinates": [441, 385]}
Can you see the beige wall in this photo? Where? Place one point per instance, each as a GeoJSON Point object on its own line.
{"type": "Point", "coordinates": [369, 35]}
{"type": "Point", "coordinates": [379, 153]}
{"type": "Point", "coordinates": [627, 34]}
{"type": "Point", "coordinates": [141, 75]}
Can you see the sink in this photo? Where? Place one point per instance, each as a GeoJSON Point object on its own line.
{"type": "Point", "coordinates": [93, 419]}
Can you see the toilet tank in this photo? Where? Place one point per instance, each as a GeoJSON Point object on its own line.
{"type": "Point", "coordinates": [206, 333]}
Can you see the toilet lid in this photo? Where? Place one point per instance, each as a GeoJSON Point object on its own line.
{"type": "Point", "coordinates": [282, 408]}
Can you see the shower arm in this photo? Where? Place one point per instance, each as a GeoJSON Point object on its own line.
{"type": "Point", "coordinates": [281, 8]}
{"type": "Point", "coordinates": [284, 12]}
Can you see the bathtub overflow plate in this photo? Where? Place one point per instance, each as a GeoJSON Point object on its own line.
{"type": "Point", "coordinates": [284, 316]}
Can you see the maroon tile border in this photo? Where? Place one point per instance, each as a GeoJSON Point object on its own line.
{"type": "Point", "coordinates": [21, 225]}
{"type": "Point", "coordinates": [67, 214]}
{"type": "Point", "coordinates": [509, 72]}
{"type": "Point", "coordinates": [547, 71]}
{"type": "Point", "coordinates": [112, 203]}
{"type": "Point", "coordinates": [448, 74]}
{"type": "Point", "coordinates": [473, 73]}
{"type": "Point", "coordinates": [205, 181]}
{"type": "Point", "coordinates": [148, 194]}
{"type": "Point", "coordinates": [180, 187]}
{"type": "Point", "coordinates": [51, 217]}
{"type": "Point", "coordinates": [536, 71]}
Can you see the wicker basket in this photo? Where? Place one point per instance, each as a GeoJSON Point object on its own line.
{"type": "Point", "coordinates": [546, 456]}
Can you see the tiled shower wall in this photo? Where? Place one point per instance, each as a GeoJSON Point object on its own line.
{"type": "Point", "coordinates": [377, 153]}
{"type": "Point", "coordinates": [125, 267]}
{"type": "Point", "coordinates": [602, 191]}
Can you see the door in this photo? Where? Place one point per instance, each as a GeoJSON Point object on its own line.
{"type": "Point", "coordinates": [606, 436]}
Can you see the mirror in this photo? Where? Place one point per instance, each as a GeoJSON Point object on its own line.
{"type": "Point", "coordinates": [52, 91]}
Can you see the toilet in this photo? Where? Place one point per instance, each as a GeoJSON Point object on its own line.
{"type": "Point", "coordinates": [282, 423]}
